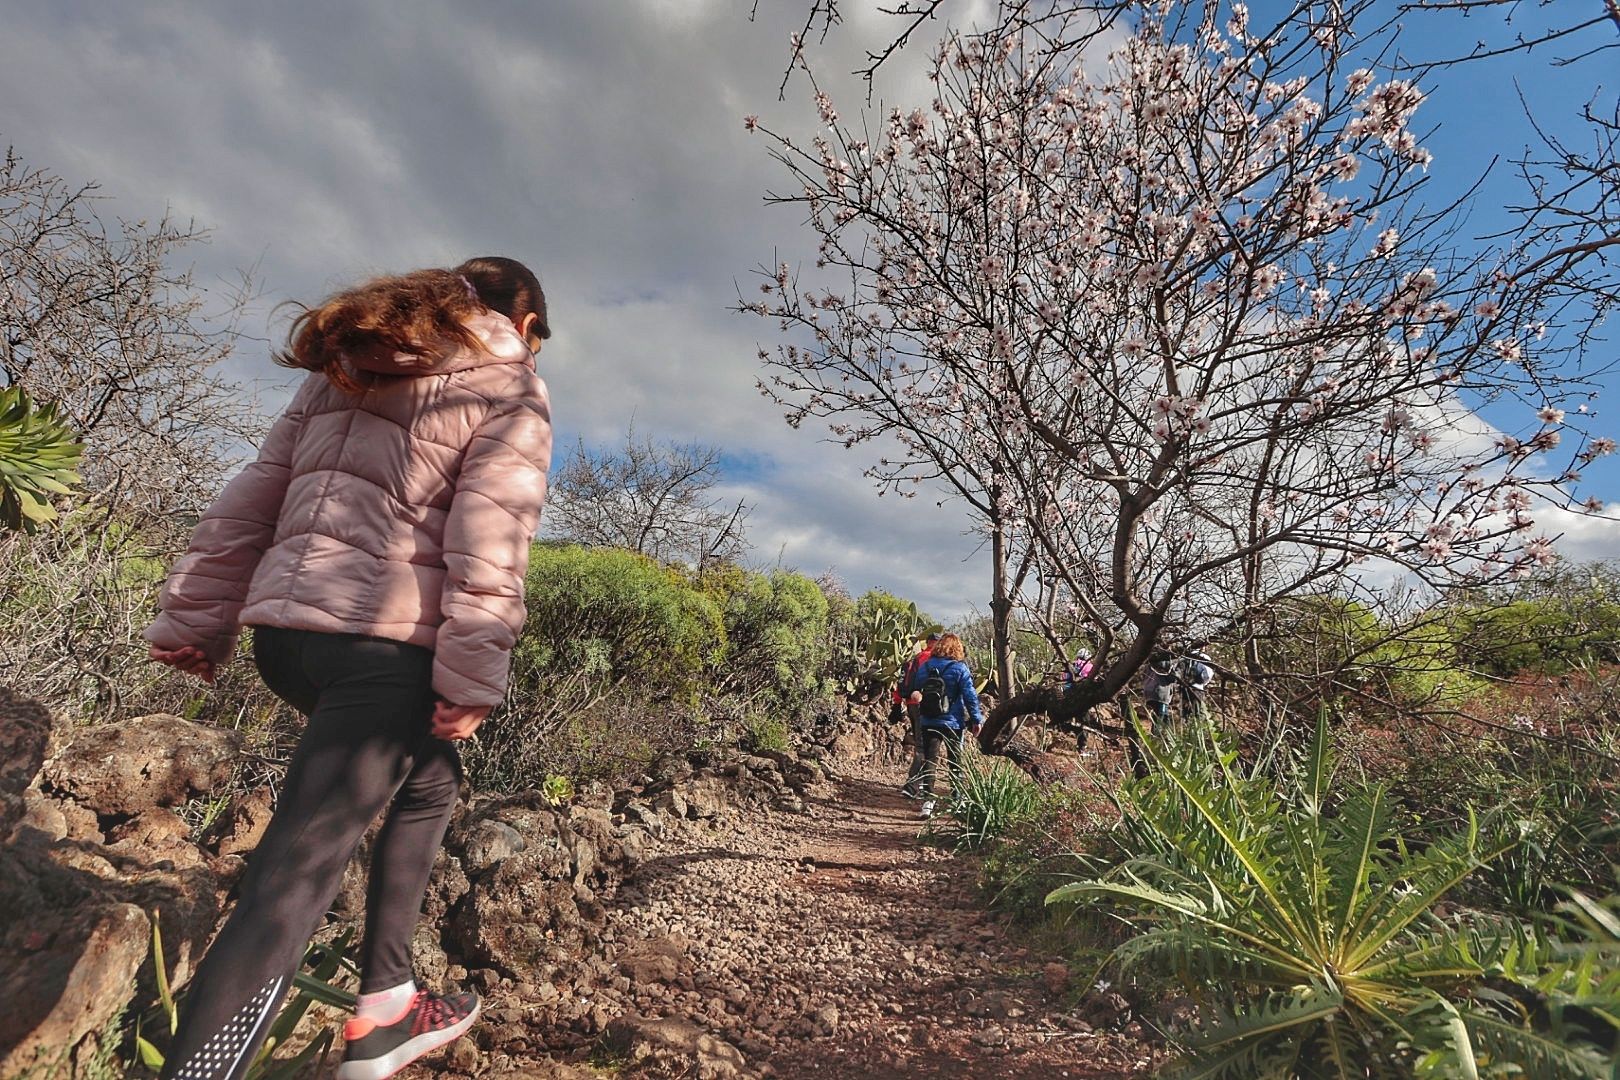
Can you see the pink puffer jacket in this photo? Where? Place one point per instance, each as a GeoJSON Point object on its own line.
{"type": "Point", "coordinates": [405, 512]}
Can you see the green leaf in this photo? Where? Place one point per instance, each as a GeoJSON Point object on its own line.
{"type": "Point", "coordinates": [324, 992]}
{"type": "Point", "coordinates": [1537, 1055]}
{"type": "Point", "coordinates": [150, 1055]}
{"type": "Point", "coordinates": [165, 997]}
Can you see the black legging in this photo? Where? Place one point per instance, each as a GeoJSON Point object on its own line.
{"type": "Point", "coordinates": [367, 742]}
{"type": "Point", "coordinates": [936, 740]}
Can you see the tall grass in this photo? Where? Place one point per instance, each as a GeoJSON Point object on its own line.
{"type": "Point", "coordinates": [988, 798]}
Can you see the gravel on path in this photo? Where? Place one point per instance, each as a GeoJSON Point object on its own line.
{"type": "Point", "coordinates": [839, 943]}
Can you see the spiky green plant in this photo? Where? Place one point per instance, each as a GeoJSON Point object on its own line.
{"type": "Point", "coordinates": [1307, 926]}
{"type": "Point", "coordinates": [38, 456]}
{"type": "Point", "coordinates": [324, 965]}
{"type": "Point", "coordinates": [988, 797]}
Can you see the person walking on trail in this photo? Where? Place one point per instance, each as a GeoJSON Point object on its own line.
{"type": "Point", "coordinates": [1159, 688]}
{"type": "Point", "coordinates": [377, 550]}
{"type": "Point", "coordinates": [1194, 673]}
{"type": "Point", "coordinates": [911, 789]}
{"type": "Point", "coordinates": [947, 707]}
{"type": "Point", "coordinates": [1077, 670]}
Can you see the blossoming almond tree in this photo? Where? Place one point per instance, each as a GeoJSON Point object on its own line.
{"type": "Point", "coordinates": [1180, 319]}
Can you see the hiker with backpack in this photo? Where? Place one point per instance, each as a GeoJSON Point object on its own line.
{"type": "Point", "coordinates": [911, 789]}
{"type": "Point", "coordinates": [1077, 670]}
{"type": "Point", "coordinates": [1194, 673]}
{"type": "Point", "coordinates": [377, 549]}
{"type": "Point", "coordinates": [1159, 688]}
{"type": "Point", "coordinates": [947, 709]}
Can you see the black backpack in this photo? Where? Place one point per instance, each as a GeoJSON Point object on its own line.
{"type": "Point", "coordinates": [936, 701]}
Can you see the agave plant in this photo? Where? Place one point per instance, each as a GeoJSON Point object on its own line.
{"type": "Point", "coordinates": [988, 797]}
{"type": "Point", "coordinates": [38, 456]}
{"type": "Point", "coordinates": [1308, 926]}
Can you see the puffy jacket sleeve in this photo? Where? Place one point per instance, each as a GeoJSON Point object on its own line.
{"type": "Point", "coordinates": [493, 519]}
{"type": "Point", "coordinates": [972, 711]}
{"type": "Point", "coordinates": [201, 600]}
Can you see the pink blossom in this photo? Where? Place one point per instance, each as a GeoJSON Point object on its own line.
{"type": "Point", "coordinates": [1547, 414]}
{"type": "Point", "coordinates": [1540, 549]}
{"type": "Point", "coordinates": [824, 106]}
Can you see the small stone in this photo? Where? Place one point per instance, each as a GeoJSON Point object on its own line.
{"type": "Point", "coordinates": [489, 843]}
{"type": "Point", "coordinates": [462, 1057]}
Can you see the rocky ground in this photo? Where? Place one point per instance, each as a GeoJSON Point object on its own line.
{"type": "Point", "coordinates": [730, 915]}
{"type": "Point", "coordinates": [833, 942]}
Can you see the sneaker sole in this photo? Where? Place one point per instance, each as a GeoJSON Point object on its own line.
{"type": "Point", "coordinates": [380, 1068]}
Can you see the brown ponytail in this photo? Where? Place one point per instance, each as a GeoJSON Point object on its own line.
{"type": "Point", "coordinates": [423, 313]}
{"type": "Point", "coordinates": [508, 287]}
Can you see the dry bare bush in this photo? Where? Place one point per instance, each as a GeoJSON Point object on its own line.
{"type": "Point", "coordinates": [98, 318]}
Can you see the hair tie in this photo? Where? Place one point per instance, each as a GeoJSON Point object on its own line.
{"type": "Point", "coordinates": [472, 292]}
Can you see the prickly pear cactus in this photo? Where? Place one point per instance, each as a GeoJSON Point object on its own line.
{"type": "Point", "coordinates": [880, 642]}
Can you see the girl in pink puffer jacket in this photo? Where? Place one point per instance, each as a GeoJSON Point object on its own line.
{"type": "Point", "coordinates": [378, 548]}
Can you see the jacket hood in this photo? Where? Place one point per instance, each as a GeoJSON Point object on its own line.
{"type": "Point", "coordinates": [500, 345]}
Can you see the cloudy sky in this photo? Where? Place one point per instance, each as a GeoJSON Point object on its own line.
{"type": "Point", "coordinates": [599, 140]}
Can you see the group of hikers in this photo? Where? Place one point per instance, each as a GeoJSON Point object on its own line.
{"type": "Point", "coordinates": [937, 698]}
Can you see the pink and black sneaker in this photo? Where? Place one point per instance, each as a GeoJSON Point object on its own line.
{"type": "Point", "coordinates": [374, 1050]}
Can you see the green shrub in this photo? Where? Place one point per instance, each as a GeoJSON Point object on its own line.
{"type": "Point", "coordinates": [776, 638]}
{"type": "Point", "coordinates": [1306, 922]}
{"type": "Point", "coordinates": [766, 733]}
{"type": "Point", "coordinates": [610, 634]}
{"type": "Point", "coordinates": [1565, 618]}
{"type": "Point", "coordinates": [1562, 795]}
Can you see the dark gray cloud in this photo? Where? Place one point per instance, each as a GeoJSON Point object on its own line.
{"type": "Point", "coordinates": [602, 142]}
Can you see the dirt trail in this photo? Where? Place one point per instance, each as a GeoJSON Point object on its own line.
{"type": "Point", "coordinates": [836, 944]}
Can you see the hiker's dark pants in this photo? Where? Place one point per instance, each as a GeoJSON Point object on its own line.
{"type": "Point", "coordinates": [937, 740]}
{"type": "Point", "coordinates": [919, 760]}
{"type": "Point", "coordinates": [367, 743]}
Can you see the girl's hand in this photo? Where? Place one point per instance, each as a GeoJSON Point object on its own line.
{"type": "Point", "coordinates": [455, 723]}
{"type": "Point", "coordinates": [188, 659]}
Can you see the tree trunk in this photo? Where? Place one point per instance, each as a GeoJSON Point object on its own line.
{"type": "Point", "coordinates": [1000, 603]}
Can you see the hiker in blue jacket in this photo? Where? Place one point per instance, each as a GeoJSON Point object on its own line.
{"type": "Point", "coordinates": [947, 708]}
